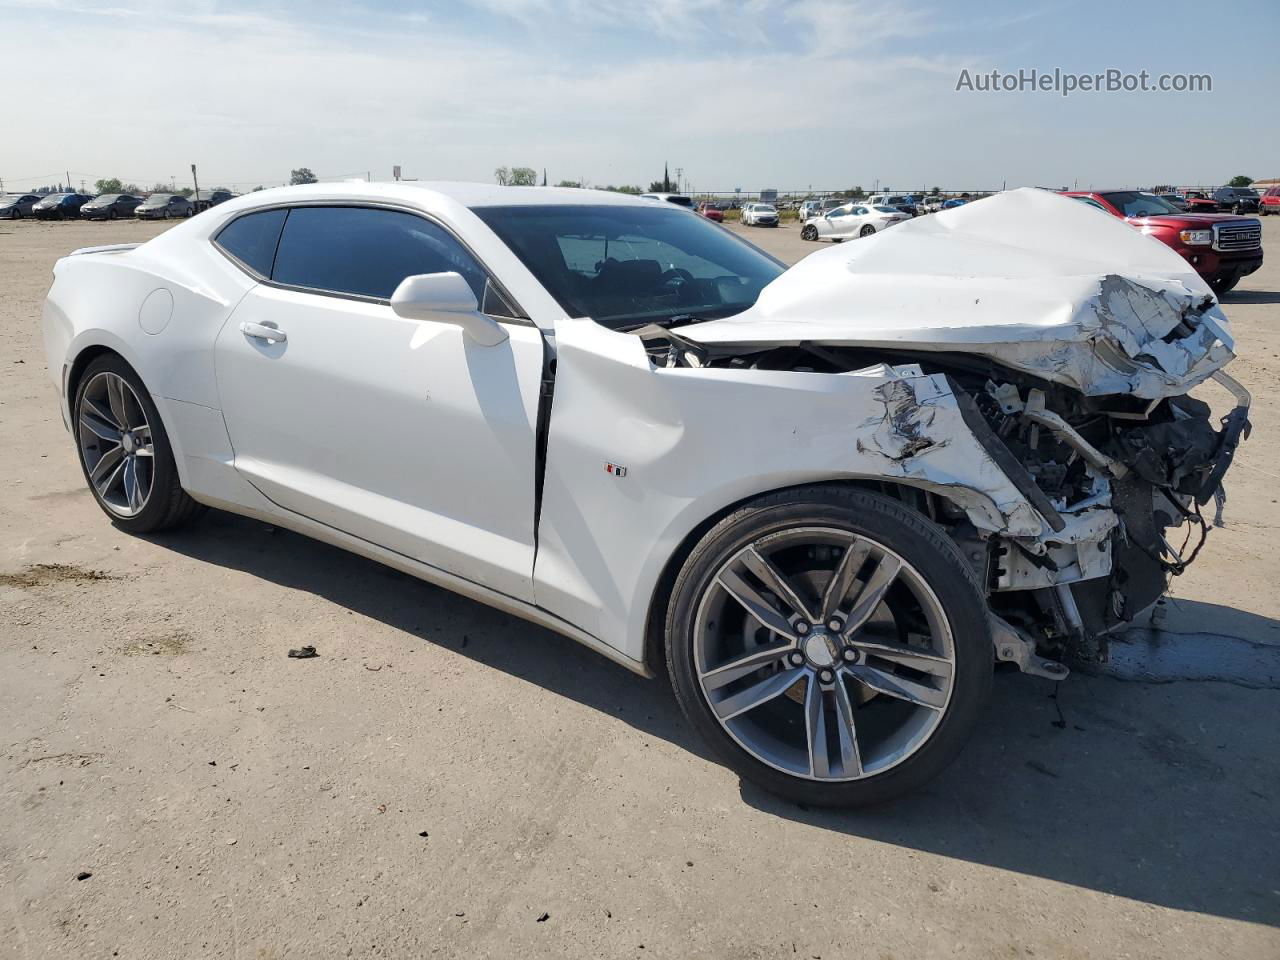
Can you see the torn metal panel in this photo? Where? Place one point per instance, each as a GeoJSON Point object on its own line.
{"type": "Point", "coordinates": [1035, 281]}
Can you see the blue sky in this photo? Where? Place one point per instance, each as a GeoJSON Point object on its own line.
{"type": "Point", "coordinates": [759, 93]}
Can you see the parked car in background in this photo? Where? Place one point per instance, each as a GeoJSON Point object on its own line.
{"type": "Point", "coordinates": [902, 201]}
{"type": "Point", "coordinates": [852, 220]}
{"type": "Point", "coordinates": [1199, 202]}
{"type": "Point", "coordinates": [759, 215]}
{"type": "Point", "coordinates": [60, 206]}
{"type": "Point", "coordinates": [1236, 200]}
{"type": "Point", "coordinates": [164, 206]}
{"type": "Point", "coordinates": [1222, 247]}
{"type": "Point", "coordinates": [679, 199]}
{"type": "Point", "coordinates": [816, 208]}
{"type": "Point", "coordinates": [1269, 202]}
{"type": "Point", "coordinates": [204, 199]}
{"type": "Point", "coordinates": [110, 206]}
{"type": "Point", "coordinates": [711, 212]}
{"type": "Point", "coordinates": [1174, 200]}
{"type": "Point", "coordinates": [954, 202]}
{"type": "Point", "coordinates": [932, 204]}
{"type": "Point", "coordinates": [15, 206]}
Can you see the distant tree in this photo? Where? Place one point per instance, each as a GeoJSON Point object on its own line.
{"type": "Point", "coordinates": [666, 179]}
{"type": "Point", "coordinates": [1240, 181]}
{"type": "Point", "coordinates": [634, 191]}
{"type": "Point", "coordinates": [503, 176]}
{"type": "Point", "coordinates": [933, 192]}
{"type": "Point", "coordinates": [524, 177]}
{"type": "Point", "coordinates": [224, 189]}
{"type": "Point", "coordinates": [301, 175]}
{"type": "Point", "coordinates": [568, 183]}
{"type": "Point", "coordinates": [855, 192]}
{"type": "Point", "coordinates": [111, 185]}
{"type": "Point", "coordinates": [656, 187]}
{"type": "Point", "coordinates": [257, 188]}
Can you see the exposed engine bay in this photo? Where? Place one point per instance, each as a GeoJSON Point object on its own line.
{"type": "Point", "coordinates": [1118, 481]}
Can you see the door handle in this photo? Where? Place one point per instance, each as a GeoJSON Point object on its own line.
{"type": "Point", "coordinates": [260, 331]}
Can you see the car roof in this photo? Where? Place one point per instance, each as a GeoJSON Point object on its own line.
{"type": "Point", "coordinates": [419, 192]}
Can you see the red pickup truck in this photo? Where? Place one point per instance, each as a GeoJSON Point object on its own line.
{"type": "Point", "coordinates": [1222, 247]}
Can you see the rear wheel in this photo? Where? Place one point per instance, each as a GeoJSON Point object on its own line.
{"type": "Point", "coordinates": [125, 452]}
{"type": "Point", "coordinates": [831, 644]}
{"type": "Point", "coordinates": [809, 232]}
{"type": "Point", "coordinates": [867, 230]}
{"type": "Point", "coordinates": [1221, 286]}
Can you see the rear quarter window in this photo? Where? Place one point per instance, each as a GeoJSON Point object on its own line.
{"type": "Point", "coordinates": [252, 239]}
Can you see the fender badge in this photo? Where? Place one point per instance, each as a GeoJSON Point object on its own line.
{"type": "Point", "coordinates": [615, 470]}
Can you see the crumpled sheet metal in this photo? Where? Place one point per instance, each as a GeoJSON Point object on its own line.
{"type": "Point", "coordinates": [1039, 282]}
{"type": "Point", "coordinates": [920, 435]}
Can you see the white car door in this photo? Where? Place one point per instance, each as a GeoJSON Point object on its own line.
{"type": "Point", "coordinates": [836, 223]}
{"type": "Point", "coordinates": [402, 432]}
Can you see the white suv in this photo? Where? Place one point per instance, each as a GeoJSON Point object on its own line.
{"type": "Point", "coordinates": [759, 215]}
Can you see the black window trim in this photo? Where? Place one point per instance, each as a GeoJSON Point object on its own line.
{"type": "Point", "coordinates": [503, 293]}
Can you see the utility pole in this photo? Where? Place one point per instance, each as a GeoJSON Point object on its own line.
{"type": "Point", "coordinates": [679, 178]}
{"type": "Point", "coordinates": [195, 183]}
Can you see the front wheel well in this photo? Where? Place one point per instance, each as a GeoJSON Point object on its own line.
{"type": "Point", "coordinates": [654, 642]}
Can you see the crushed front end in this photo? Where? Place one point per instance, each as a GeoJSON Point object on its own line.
{"type": "Point", "coordinates": [1096, 497]}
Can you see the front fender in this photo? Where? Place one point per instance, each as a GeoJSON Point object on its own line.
{"type": "Point", "coordinates": [639, 457]}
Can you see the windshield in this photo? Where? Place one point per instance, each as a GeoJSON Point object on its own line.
{"type": "Point", "coordinates": [107, 198]}
{"type": "Point", "coordinates": [1134, 204]}
{"type": "Point", "coordinates": [765, 208]}
{"type": "Point", "coordinates": [55, 197]}
{"type": "Point", "coordinates": [156, 200]}
{"type": "Point", "coordinates": [625, 266]}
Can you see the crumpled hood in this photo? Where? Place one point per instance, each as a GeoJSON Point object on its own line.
{"type": "Point", "coordinates": [1039, 282]}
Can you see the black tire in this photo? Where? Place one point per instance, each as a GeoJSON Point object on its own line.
{"type": "Point", "coordinates": [111, 214]}
{"type": "Point", "coordinates": [809, 232]}
{"type": "Point", "coordinates": [168, 505]}
{"type": "Point", "coordinates": [918, 541]}
{"type": "Point", "coordinates": [867, 230]}
{"type": "Point", "coordinates": [1221, 286]}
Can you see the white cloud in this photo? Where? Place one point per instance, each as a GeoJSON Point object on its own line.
{"type": "Point", "coordinates": [753, 94]}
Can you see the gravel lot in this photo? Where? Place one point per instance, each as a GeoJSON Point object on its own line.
{"type": "Point", "coordinates": [446, 780]}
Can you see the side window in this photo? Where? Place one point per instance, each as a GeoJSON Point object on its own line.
{"type": "Point", "coordinates": [252, 239]}
{"type": "Point", "coordinates": [366, 252]}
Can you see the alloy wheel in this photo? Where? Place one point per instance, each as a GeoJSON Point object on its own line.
{"type": "Point", "coordinates": [824, 654]}
{"type": "Point", "coordinates": [116, 445]}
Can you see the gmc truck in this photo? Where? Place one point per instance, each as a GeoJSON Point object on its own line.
{"type": "Point", "coordinates": [1223, 248]}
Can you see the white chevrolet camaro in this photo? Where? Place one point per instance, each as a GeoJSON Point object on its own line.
{"type": "Point", "coordinates": [824, 500]}
{"type": "Point", "coordinates": [851, 220]}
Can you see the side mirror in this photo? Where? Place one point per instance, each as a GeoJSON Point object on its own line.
{"type": "Point", "coordinates": [446, 298]}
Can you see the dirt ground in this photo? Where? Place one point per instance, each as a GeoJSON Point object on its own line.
{"type": "Point", "coordinates": [444, 780]}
